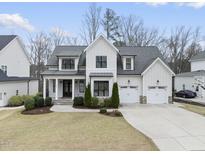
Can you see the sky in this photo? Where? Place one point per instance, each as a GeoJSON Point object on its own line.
{"type": "Point", "coordinates": [29, 18]}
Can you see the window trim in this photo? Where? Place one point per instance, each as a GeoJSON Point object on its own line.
{"type": "Point", "coordinates": [99, 61]}
{"type": "Point", "coordinates": [98, 90]}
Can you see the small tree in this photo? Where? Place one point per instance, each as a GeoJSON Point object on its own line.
{"type": "Point", "coordinates": [87, 96]}
{"type": "Point", "coordinates": [115, 96]}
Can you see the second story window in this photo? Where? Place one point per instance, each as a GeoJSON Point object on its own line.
{"type": "Point", "coordinates": [128, 63]}
{"type": "Point", "coordinates": [101, 61]}
{"type": "Point", "coordinates": [68, 64]}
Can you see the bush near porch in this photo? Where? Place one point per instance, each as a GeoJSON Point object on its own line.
{"type": "Point", "coordinates": [93, 102]}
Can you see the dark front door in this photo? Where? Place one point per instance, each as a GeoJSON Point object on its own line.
{"type": "Point", "coordinates": [67, 88]}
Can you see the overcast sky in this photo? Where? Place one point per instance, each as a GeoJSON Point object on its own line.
{"type": "Point", "coordinates": [25, 18]}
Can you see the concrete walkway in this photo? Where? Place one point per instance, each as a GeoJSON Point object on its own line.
{"type": "Point", "coordinates": [11, 108]}
{"type": "Point", "coordinates": [170, 127]}
{"type": "Point", "coordinates": [69, 108]}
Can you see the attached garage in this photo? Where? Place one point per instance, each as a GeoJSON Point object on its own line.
{"type": "Point", "coordinates": [129, 94]}
{"type": "Point", "coordinates": [157, 95]}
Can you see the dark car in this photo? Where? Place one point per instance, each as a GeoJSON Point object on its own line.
{"type": "Point", "coordinates": [186, 94]}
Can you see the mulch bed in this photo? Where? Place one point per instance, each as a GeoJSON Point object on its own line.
{"type": "Point", "coordinates": [113, 114]}
{"type": "Point", "coordinates": [36, 111]}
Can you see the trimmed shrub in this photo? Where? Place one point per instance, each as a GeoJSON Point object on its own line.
{"type": "Point", "coordinates": [39, 94]}
{"type": "Point", "coordinates": [101, 103]}
{"type": "Point", "coordinates": [108, 102]}
{"type": "Point", "coordinates": [103, 110]}
{"type": "Point", "coordinates": [78, 101]}
{"type": "Point", "coordinates": [25, 97]}
{"type": "Point", "coordinates": [29, 103]}
{"type": "Point", "coordinates": [87, 96]}
{"type": "Point", "coordinates": [48, 101]}
{"type": "Point", "coordinates": [115, 96]}
{"type": "Point", "coordinates": [95, 102]}
{"type": "Point", "coordinates": [15, 101]}
{"type": "Point", "coordinates": [39, 101]}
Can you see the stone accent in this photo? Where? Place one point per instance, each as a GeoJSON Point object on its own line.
{"type": "Point", "coordinates": [143, 100]}
{"type": "Point", "coordinates": [170, 101]}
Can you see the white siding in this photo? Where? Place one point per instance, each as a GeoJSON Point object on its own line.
{"type": "Point", "coordinates": [134, 81]}
{"type": "Point", "coordinates": [197, 65]}
{"type": "Point", "coordinates": [187, 81]}
{"type": "Point", "coordinates": [101, 48]}
{"type": "Point", "coordinates": [157, 72]}
{"type": "Point", "coordinates": [8, 89]}
{"type": "Point", "coordinates": [13, 56]}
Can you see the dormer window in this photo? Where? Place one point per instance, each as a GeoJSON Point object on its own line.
{"type": "Point", "coordinates": [101, 61]}
{"type": "Point", "coordinates": [68, 64]}
{"type": "Point", "coordinates": [128, 63]}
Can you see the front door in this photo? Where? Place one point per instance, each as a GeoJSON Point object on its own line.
{"type": "Point", "coordinates": [67, 88]}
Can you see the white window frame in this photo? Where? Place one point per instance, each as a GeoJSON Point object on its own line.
{"type": "Point", "coordinates": [125, 63]}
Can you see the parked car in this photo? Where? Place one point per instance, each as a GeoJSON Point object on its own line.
{"type": "Point", "coordinates": [186, 94]}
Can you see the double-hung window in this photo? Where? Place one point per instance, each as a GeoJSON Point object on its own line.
{"type": "Point", "coordinates": [68, 63]}
{"type": "Point", "coordinates": [128, 64]}
{"type": "Point", "coordinates": [81, 86]}
{"type": "Point", "coordinates": [101, 61]}
{"type": "Point", "coordinates": [4, 68]}
{"type": "Point", "coordinates": [101, 88]}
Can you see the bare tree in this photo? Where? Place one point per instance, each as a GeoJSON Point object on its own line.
{"type": "Point", "coordinates": [135, 33]}
{"type": "Point", "coordinates": [91, 23]}
{"type": "Point", "coordinates": [58, 36]}
{"type": "Point", "coordinates": [182, 44]}
{"type": "Point", "coordinates": [40, 50]}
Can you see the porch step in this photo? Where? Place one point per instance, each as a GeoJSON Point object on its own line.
{"type": "Point", "coordinates": [63, 102]}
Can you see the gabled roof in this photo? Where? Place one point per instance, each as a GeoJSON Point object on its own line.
{"type": "Point", "coordinates": [5, 78]}
{"type": "Point", "coordinates": [164, 64]}
{"type": "Point", "coordinates": [199, 56]}
{"type": "Point", "coordinates": [5, 40]}
{"type": "Point", "coordinates": [101, 36]}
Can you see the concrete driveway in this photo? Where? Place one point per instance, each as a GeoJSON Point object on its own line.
{"type": "Point", "coordinates": [170, 127]}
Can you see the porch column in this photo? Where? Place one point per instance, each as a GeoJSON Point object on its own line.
{"type": "Point", "coordinates": [73, 88]}
{"type": "Point", "coordinates": [56, 97]}
{"type": "Point", "coordinates": [44, 88]}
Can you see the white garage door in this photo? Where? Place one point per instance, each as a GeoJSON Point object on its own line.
{"type": "Point", "coordinates": [129, 94]}
{"type": "Point", "coordinates": [157, 95]}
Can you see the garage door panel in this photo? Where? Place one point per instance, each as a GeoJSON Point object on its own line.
{"type": "Point", "coordinates": [157, 95]}
{"type": "Point", "coordinates": [129, 94]}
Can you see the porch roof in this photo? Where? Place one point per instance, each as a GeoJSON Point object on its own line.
{"type": "Point", "coordinates": [101, 75]}
{"type": "Point", "coordinates": [56, 72]}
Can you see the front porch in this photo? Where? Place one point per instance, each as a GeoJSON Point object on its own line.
{"type": "Point", "coordinates": [63, 89]}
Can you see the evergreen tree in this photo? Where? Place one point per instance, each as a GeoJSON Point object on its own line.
{"type": "Point", "coordinates": [115, 96]}
{"type": "Point", "coordinates": [87, 96]}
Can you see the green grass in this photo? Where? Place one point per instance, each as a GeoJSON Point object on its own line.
{"type": "Point", "coordinates": [69, 131]}
{"type": "Point", "coordinates": [194, 108]}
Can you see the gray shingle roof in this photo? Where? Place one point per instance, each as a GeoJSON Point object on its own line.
{"type": "Point", "coordinates": [191, 74]}
{"type": "Point", "coordinates": [4, 77]}
{"type": "Point", "coordinates": [199, 56]}
{"type": "Point", "coordinates": [6, 39]}
{"type": "Point", "coordinates": [143, 56]}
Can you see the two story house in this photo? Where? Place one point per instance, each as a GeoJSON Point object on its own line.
{"type": "Point", "coordinates": [14, 69]}
{"type": "Point", "coordinates": [140, 72]}
{"type": "Point", "coordinates": [195, 79]}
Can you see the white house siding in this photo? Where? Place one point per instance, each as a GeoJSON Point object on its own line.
{"type": "Point", "coordinates": [157, 72]}
{"type": "Point", "coordinates": [197, 65]}
{"type": "Point", "coordinates": [188, 83]}
{"type": "Point", "coordinates": [130, 80]}
{"type": "Point", "coordinates": [9, 89]}
{"type": "Point", "coordinates": [101, 48]}
{"type": "Point", "coordinates": [14, 58]}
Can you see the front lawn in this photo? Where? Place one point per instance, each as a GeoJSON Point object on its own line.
{"type": "Point", "coordinates": [69, 131]}
{"type": "Point", "coordinates": [194, 108]}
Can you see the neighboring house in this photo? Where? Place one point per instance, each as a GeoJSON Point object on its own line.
{"type": "Point", "coordinates": [141, 74]}
{"type": "Point", "coordinates": [194, 80]}
{"type": "Point", "coordinates": [14, 69]}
